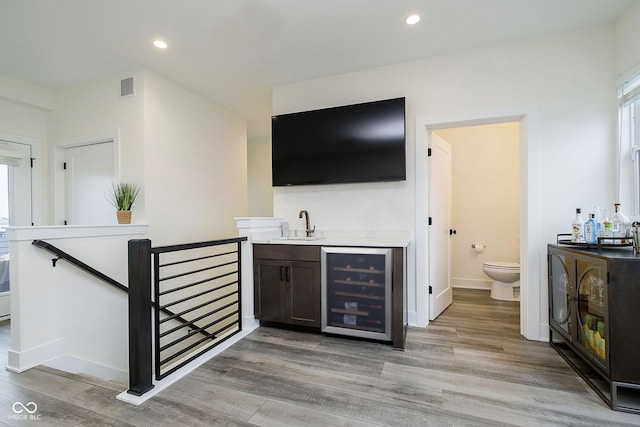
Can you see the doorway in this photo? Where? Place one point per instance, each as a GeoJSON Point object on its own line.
{"type": "Point", "coordinates": [485, 199]}
{"type": "Point", "coordinates": [533, 324]}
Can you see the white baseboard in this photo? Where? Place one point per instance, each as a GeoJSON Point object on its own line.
{"type": "Point", "coordinates": [412, 318]}
{"type": "Point", "coordinates": [53, 355]}
{"type": "Point", "coordinates": [250, 323]}
{"type": "Point", "coordinates": [76, 365]}
{"type": "Point", "coordinates": [20, 361]}
{"type": "Point", "coordinates": [457, 282]}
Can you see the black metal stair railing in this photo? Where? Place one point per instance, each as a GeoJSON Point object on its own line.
{"type": "Point", "coordinates": [200, 282]}
{"type": "Point", "coordinates": [196, 301]}
{"type": "Point", "coordinates": [60, 254]}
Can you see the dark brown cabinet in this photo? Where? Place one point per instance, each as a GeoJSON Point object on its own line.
{"type": "Point", "coordinates": [287, 287]}
{"type": "Point", "coordinates": [594, 319]}
{"type": "Point", "coordinates": [287, 284]}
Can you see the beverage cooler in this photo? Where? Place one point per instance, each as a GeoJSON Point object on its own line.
{"type": "Point", "coordinates": [356, 292]}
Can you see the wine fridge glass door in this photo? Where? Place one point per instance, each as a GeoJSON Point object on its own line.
{"type": "Point", "coordinates": [356, 292]}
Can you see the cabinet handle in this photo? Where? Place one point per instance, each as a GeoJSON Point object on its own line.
{"type": "Point", "coordinates": [287, 270]}
{"type": "Point", "coordinates": [282, 267]}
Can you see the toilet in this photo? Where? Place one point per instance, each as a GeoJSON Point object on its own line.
{"type": "Point", "coordinates": [506, 279]}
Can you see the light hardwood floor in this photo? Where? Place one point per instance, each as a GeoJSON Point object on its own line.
{"type": "Point", "coordinates": [468, 368]}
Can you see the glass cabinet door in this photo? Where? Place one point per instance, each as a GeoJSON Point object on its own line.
{"type": "Point", "coordinates": [560, 293]}
{"type": "Point", "coordinates": [592, 300]}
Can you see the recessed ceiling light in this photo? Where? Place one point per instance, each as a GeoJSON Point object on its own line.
{"type": "Point", "coordinates": [160, 44]}
{"type": "Point", "coordinates": [412, 19]}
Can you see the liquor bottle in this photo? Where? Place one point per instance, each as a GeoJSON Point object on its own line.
{"type": "Point", "coordinates": [606, 229]}
{"type": "Point", "coordinates": [352, 319]}
{"type": "Point", "coordinates": [357, 306]}
{"type": "Point", "coordinates": [591, 229]}
{"type": "Point", "coordinates": [621, 224]}
{"type": "Point", "coordinates": [577, 228]}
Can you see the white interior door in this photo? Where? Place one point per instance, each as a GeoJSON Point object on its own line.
{"type": "Point", "coordinates": [15, 206]}
{"type": "Point", "coordinates": [89, 179]}
{"type": "Point", "coordinates": [440, 188]}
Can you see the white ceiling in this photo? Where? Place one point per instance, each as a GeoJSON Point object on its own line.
{"type": "Point", "coordinates": [234, 51]}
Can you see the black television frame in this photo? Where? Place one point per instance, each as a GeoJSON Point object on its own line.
{"type": "Point", "coordinates": [347, 144]}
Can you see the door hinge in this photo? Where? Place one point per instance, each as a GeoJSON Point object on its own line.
{"type": "Point", "coordinates": [64, 165]}
{"type": "Point", "coordinates": [428, 152]}
{"type": "Point", "coordinates": [430, 221]}
{"type": "Point", "coordinates": [430, 289]}
{"type": "Point", "coordinates": [65, 222]}
{"type": "Point", "coordinates": [32, 159]}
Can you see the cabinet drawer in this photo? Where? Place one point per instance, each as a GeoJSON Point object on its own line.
{"type": "Point", "coordinates": [287, 252]}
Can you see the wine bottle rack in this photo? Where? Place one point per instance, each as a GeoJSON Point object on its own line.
{"type": "Point", "coordinates": [356, 292]}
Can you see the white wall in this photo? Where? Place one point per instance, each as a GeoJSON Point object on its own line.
{"type": "Point", "coordinates": [260, 192]}
{"type": "Point", "coordinates": [195, 165]}
{"type": "Point", "coordinates": [63, 317]}
{"type": "Point", "coordinates": [95, 112]}
{"type": "Point", "coordinates": [567, 79]}
{"type": "Point", "coordinates": [485, 199]}
{"type": "Point", "coordinates": [188, 154]}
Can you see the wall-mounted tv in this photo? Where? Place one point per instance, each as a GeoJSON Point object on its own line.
{"type": "Point", "coordinates": [347, 144]}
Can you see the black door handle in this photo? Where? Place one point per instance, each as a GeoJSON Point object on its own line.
{"type": "Point", "coordinates": [452, 231]}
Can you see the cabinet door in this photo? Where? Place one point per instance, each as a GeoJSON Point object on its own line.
{"type": "Point", "coordinates": [592, 316]}
{"type": "Point", "coordinates": [561, 290]}
{"type": "Point", "coordinates": [303, 293]}
{"type": "Point", "coordinates": [268, 289]}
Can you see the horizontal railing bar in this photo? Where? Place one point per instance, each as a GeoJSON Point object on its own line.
{"type": "Point", "coordinates": [199, 328]}
{"type": "Point", "coordinates": [200, 270]}
{"type": "Point", "coordinates": [199, 294]}
{"type": "Point", "coordinates": [186, 246]}
{"type": "Point", "coordinates": [166, 319]}
{"type": "Point", "coordinates": [184, 261]}
{"type": "Point", "coordinates": [63, 255]}
{"type": "Point", "coordinates": [189, 347]}
{"type": "Point", "coordinates": [196, 355]}
{"type": "Point", "coordinates": [198, 282]}
{"type": "Point", "coordinates": [176, 328]}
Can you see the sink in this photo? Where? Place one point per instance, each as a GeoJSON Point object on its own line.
{"type": "Point", "coordinates": [305, 238]}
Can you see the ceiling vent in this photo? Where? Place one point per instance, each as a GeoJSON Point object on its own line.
{"type": "Point", "coordinates": [127, 87]}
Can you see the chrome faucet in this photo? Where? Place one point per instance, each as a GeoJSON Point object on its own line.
{"type": "Point", "coordinates": [308, 230]}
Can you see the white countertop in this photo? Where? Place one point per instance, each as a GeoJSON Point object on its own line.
{"type": "Point", "coordinates": [394, 239]}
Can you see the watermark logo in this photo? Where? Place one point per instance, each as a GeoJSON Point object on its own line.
{"type": "Point", "coordinates": [24, 411]}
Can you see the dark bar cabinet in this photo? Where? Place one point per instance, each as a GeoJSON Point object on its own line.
{"type": "Point", "coordinates": [594, 318]}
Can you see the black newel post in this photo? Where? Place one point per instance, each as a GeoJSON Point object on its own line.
{"type": "Point", "coordinates": [140, 339]}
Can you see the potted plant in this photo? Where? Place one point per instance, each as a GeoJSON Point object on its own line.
{"type": "Point", "coordinates": [122, 197]}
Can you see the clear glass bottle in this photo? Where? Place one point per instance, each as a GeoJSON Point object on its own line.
{"type": "Point", "coordinates": [591, 230]}
{"type": "Point", "coordinates": [577, 228]}
{"type": "Point", "coordinates": [621, 224]}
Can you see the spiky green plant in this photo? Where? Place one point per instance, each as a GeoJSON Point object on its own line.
{"type": "Point", "coordinates": [123, 195]}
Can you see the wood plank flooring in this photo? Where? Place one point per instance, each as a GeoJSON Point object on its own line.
{"type": "Point", "coordinates": [468, 368]}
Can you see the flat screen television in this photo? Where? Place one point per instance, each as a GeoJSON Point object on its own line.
{"type": "Point", "coordinates": [347, 144]}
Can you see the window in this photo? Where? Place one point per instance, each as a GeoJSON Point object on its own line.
{"type": "Point", "coordinates": [629, 142]}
